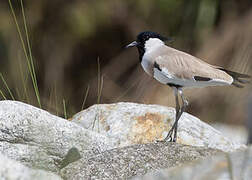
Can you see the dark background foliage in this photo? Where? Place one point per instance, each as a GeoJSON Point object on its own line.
{"type": "Point", "coordinates": [68, 37]}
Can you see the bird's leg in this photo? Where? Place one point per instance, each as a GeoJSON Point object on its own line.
{"type": "Point", "coordinates": [174, 126]}
{"type": "Point", "coordinates": [183, 108]}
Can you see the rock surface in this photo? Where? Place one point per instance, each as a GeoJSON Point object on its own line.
{"type": "Point", "coordinates": [12, 170]}
{"type": "Point", "coordinates": [237, 165]}
{"type": "Point", "coordinates": [235, 132]}
{"type": "Point", "coordinates": [132, 123]}
{"type": "Point", "coordinates": [93, 145]}
{"type": "Point", "coordinates": [123, 163]}
{"type": "Point", "coordinates": [39, 139]}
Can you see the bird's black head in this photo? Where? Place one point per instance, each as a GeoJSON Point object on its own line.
{"type": "Point", "coordinates": [142, 38]}
{"type": "Point", "coordinates": [145, 36]}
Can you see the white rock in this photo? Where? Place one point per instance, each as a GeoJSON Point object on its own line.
{"type": "Point", "coordinates": [237, 133]}
{"type": "Point", "coordinates": [41, 140]}
{"type": "Point", "coordinates": [132, 123]}
{"type": "Point", "coordinates": [13, 170]}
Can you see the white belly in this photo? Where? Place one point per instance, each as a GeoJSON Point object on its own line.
{"type": "Point", "coordinates": [147, 66]}
{"type": "Point", "coordinates": [167, 78]}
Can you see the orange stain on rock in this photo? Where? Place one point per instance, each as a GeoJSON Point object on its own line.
{"type": "Point", "coordinates": [149, 128]}
{"type": "Point", "coordinates": [101, 118]}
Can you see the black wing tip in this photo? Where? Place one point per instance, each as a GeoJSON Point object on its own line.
{"type": "Point", "coordinates": [238, 78]}
{"type": "Point", "coordinates": [237, 85]}
{"type": "Point", "coordinates": [235, 74]}
{"type": "Point", "coordinates": [239, 82]}
{"type": "Point", "coordinates": [245, 76]}
{"type": "Point", "coordinates": [243, 81]}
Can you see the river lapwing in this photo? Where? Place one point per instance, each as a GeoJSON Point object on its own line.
{"type": "Point", "coordinates": [180, 70]}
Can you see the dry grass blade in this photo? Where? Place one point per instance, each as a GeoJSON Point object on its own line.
{"type": "Point", "coordinates": [26, 97]}
{"type": "Point", "coordinates": [2, 94]}
{"type": "Point", "coordinates": [27, 57]}
{"type": "Point", "coordinates": [100, 91]}
{"type": "Point", "coordinates": [98, 79]}
{"type": "Point", "coordinates": [85, 98]}
{"type": "Point", "coordinates": [56, 101]}
{"type": "Point", "coordinates": [64, 108]}
{"type": "Point", "coordinates": [33, 73]}
{"type": "Point", "coordinates": [7, 87]}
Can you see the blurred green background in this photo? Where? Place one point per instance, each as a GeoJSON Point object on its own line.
{"type": "Point", "coordinates": [67, 38]}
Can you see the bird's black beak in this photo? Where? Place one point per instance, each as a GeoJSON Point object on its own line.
{"type": "Point", "coordinates": [134, 43]}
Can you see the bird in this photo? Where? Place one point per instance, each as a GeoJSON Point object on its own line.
{"type": "Point", "coordinates": [180, 70]}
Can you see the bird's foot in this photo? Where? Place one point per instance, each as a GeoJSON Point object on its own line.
{"type": "Point", "coordinates": [169, 137]}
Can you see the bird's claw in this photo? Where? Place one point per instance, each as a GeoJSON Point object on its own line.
{"type": "Point", "coordinates": [168, 138]}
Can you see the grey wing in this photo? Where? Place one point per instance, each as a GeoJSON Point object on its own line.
{"type": "Point", "coordinates": [187, 71]}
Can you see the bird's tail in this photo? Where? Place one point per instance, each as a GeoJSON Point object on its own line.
{"type": "Point", "coordinates": [239, 78]}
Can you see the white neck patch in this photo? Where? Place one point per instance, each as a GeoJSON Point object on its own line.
{"type": "Point", "coordinates": [153, 43]}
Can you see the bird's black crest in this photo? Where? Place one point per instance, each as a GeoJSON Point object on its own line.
{"type": "Point", "coordinates": [144, 36]}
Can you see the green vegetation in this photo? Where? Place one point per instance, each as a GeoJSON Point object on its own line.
{"type": "Point", "coordinates": [28, 54]}
{"type": "Point", "coordinates": [65, 111]}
